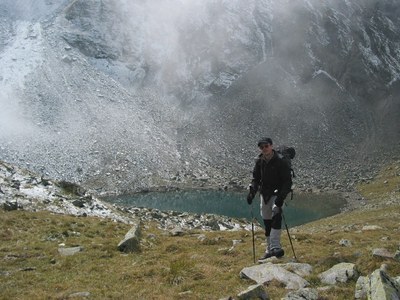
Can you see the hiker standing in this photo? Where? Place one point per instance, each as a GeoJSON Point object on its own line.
{"type": "Point", "coordinates": [272, 178]}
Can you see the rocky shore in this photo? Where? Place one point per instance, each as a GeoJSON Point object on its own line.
{"type": "Point", "coordinates": [23, 189]}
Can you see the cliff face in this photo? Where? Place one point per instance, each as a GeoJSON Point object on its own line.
{"type": "Point", "coordinates": [123, 95]}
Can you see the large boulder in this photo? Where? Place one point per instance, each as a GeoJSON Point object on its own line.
{"type": "Point", "coordinates": [339, 273]}
{"type": "Point", "coordinates": [377, 286]}
{"type": "Point", "coordinates": [302, 294]}
{"type": "Point", "coordinates": [131, 241]}
{"type": "Point", "coordinates": [256, 291]}
{"type": "Point", "coordinates": [267, 272]}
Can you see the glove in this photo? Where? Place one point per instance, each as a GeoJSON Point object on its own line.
{"type": "Point", "coordinates": [279, 202]}
{"type": "Point", "coordinates": [250, 198]}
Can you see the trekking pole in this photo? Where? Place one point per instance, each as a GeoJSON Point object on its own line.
{"type": "Point", "coordinates": [252, 231]}
{"type": "Point", "coordinates": [290, 239]}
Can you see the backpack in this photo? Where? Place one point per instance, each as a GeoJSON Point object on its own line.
{"type": "Point", "coordinates": [287, 154]}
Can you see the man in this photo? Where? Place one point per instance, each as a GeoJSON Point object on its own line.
{"type": "Point", "coordinates": [272, 177]}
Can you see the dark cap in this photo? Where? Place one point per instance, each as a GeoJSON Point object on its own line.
{"type": "Point", "coordinates": [264, 141]}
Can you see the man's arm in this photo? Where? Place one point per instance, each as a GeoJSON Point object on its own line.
{"type": "Point", "coordinates": [254, 183]}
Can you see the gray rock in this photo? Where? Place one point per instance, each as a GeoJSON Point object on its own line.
{"type": "Point", "coordinates": [10, 206]}
{"type": "Point", "coordinates": [71, 187]}
{"type": "Point", "coordinates": [267, 272]}
{"type": "Point", "coordinates": [131, 242]}
{"type": "Point", "coordinates": [382, 252]}
{"type": "Point", "coordinates": [213, 224]}
{"type": "Point", "coordinates": [397, 280]}
{"type": "Point", "coordinates": [69, 251]}
{"type": "Point", "coordinates": [345, 243]}
{"type": "Point", "coordinates": [339, 273]}
{"type": "Point", "coordinates": [256, 291]}
{"type": "Point", "coordinates": [377, 286]}
{"type": "Point", "coordinates": [5, 273]}
{"type": "Point", "coordinates": [177, 231]}
{"type": "Point", "coordinates": [371, 227]}
{"type": "Point", "coordinates": [397, 255]}
{"type": "Point", "coordinates": [202, 237]}
{"type": "Point", "coordinates": [79, 203]}
{"type": "Point", "coordinates": [302, 294]}
{"type": "Point", "coordinates": [298, 268]}
{"type": "Point", "coordinates": [79, 295]}
{"type": "Point", "coordinates": [361, 288]}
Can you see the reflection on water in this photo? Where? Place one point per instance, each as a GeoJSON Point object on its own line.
{"type": "Point", "coordinates": [302, 209]}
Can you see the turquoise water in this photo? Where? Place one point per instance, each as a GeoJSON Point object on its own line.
{"type": "Point", "coordinates": [301, 209]}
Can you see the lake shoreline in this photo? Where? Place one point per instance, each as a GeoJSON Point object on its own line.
{"type": "Point", "coordinates": [303, 208]}
{"type": "Point", "coordinates": [353, 199]}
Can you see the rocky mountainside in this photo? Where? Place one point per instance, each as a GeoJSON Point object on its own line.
{"type": "Point", "coordinates": [123, 95]}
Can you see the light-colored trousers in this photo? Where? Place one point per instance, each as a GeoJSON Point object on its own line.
{"type": "Point", "coordinates": [267, 211]}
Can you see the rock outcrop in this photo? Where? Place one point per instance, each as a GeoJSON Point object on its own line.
{"type": "Point", "coordinates": [377, 286]}
{"type": "Point", "coordinates": [131, 241]}
{"type": "Point", "coordinates": [265, 273]}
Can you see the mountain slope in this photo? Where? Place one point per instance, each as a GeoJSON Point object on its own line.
{"type": "Point", "coordinates": [125, 95]}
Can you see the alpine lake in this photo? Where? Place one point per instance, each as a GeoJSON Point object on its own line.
{"type": "Point", "coordinates": [300, 209]}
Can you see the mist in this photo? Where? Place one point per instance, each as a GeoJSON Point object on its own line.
{"type": "Point", "coordinates": [186, 46]}
{"type": "Point", "coordinates": [123, 95]}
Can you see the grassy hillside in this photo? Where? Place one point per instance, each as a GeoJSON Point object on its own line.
{"type": "Point", "coordinates": [197, 265]}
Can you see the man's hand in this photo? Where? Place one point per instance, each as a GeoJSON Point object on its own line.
{"type": "Point", "coordinates": [278, 202]}
{"type": "Point", "coordinates": [250, 198]}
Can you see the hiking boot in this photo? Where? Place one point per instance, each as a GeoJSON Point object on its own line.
{"type": "Point", "coordinates": [265, 256]}
{"type": "Point", "coordinates": [278, 252]}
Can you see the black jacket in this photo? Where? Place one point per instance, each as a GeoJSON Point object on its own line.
{"type": "Point", "coordinates": [272, 178]}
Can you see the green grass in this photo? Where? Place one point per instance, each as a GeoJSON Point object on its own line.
{"type": "Point", "coordinates": [386, 184]}
{"type": "Point", "coordinates": [182, 267]}
{"type": "Point", "coordinates": [166, 267]}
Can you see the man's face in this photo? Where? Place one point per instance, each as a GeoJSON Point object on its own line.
{"type": "Point", "coordinates": [266, 149]}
